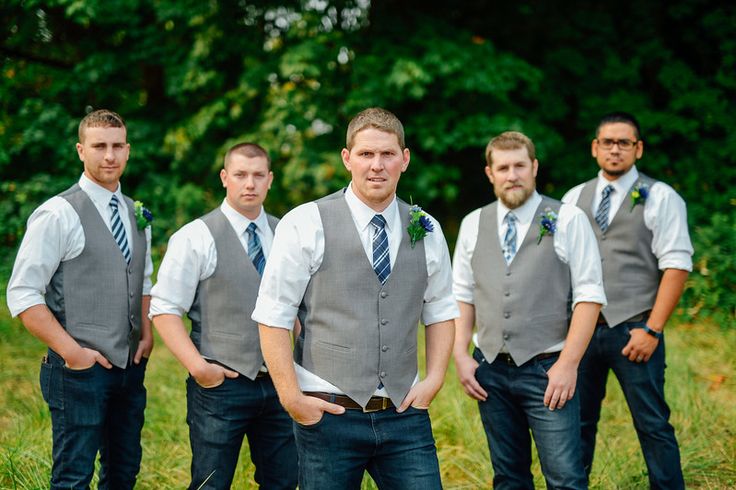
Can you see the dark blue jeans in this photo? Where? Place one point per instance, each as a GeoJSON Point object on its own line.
{"type": "Point", "coordinates": [218, 420]}
{"type": "Point", "coordinates": [397, 450]}
{"type": "Point", "coordinates": [643, 387]}
{"type": "Point", "coordinates": [515, 405]}
{"type": "Point", "coordinates": [94, 409]}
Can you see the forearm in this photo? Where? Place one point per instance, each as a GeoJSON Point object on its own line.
{"type": "Point", "coordinates": [146, 330]}
{"type": "Point", "coordinates": [581, 330]}
{"type": "Point", "coordinates": [174, 334]}
{"type": "Point", "coordinates": [277, 352]}
{"type": "Point", "coordinates": [668, 295]}
{"type": "Point", "coordinates": [43, 325]}
{"type": "Point", "coordinates": [464, 329]}
{"type": "Point", "coordinates": [439, 340]}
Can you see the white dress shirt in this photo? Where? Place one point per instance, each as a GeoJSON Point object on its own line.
{"type": "Point", "coordinates": [665, 215]}
{"type": "Point", "coordinates": [574, 243]}
{"type": "Point", "coordinates": [54, 234]}
{"type": "Point", "coordinates": [191, 257]}
{"type": "Point", "coordinates": [297, 254]}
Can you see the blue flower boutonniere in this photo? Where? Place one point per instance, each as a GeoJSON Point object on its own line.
{"type": "Point", "coordinates": [419, 224]}
{"type": "Point", "coordinates": [143, 216]}
{"type": "Point", "coordinates": [639, 194]}
{"type": "Point", "coordinates": [547, 224]}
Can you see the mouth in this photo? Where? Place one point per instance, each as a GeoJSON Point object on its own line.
{"type": "Point", "coordinates": [376, 180]}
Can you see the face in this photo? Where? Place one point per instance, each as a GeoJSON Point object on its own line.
{"type": "Point", "coordinates": [375, 163]}
{"type": "Point", "coordinates": [615, 162]}
{"type": "Point", "coordinates": [104, 153]}
{"type": "Point", "coordinates": [513, 176]}
{"type": "Point", "coordinates": [247, 181]}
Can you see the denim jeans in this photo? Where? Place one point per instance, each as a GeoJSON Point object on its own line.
{"type": "Point", "coordinates": [397, 450]}
{"type": "Point", "coordinates": [515, 405]}
{"type": "Point", "coordinates": [94, 409]}
{"type": "Point", "coordinates": [218, 420]}
{"type": "Point", "coordinates": [643, 387]}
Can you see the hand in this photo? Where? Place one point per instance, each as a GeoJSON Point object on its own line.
{"type": "Point", "coordinates": [466, 366]}
{"type": "Point", "coordinates": [641, 346]}
{"type": "Point", "coordinates": [561, 385]}
{"type": "Point", "coordinates": [308, 410]}
{"type": "Point", "coordinates": [210, 375]}
{"type": "Point", "coordinates": [145, 346]}
{"type": "Point", "coordinates": [420, 395]}
{"type": "Point", "coordinates": [85, 358]}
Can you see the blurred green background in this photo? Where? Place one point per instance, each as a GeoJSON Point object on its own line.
{"type": "Point", "coordinates": [192, 77]}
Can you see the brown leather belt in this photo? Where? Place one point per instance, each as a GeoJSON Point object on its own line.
{"type": "Point", "coordinates": [375, 404]}
{"type": "Point", "coordinates": [634, 319]}
{"type": "Point", "coordinates": [507, 359]}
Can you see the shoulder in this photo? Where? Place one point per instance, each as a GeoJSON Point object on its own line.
{"type": "Point", "coordinates": [573, 194]}
{"type": "Point", "coordinates": [302, 215]}
{"type": "Point", "coordinates": [54, 209]}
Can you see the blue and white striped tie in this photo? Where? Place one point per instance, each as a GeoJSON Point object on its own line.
{"type": "Point", "coordinates": [381, 259]}
{"type": "Point", "coordinates": [509, 240]}
{"type": "Point", "coordinates": [255, 250]}
{"type": "Point", "coordinates": [118, 230]}
{"type": "Point", "coordinates": [601, 216]}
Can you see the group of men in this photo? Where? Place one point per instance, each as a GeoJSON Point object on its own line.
{"type": "Point", "coordinates": [304, 335]}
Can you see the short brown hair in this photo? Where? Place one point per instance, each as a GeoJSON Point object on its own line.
{"type": "Point", "coordinates": [248, 150]}
{"type": "Point", "coordinates": [377, 118]}
{"type": "Point", "coordinates": [101, 118]}
{"type": "Point", "coordinates": [510, 140]}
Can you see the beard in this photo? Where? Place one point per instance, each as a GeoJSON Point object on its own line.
{"type": "Point", "coordinates": [512, 199]}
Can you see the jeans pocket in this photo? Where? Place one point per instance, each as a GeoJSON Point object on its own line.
{"type": "Point", "coordinates": [314, 425]}
{"type": "Point", "coordinates": [45, 379]}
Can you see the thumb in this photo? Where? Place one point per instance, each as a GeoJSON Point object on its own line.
{"type": "Point", "coordinates": [332, 408]}
{"type": "Point", "coordinates": [230, 374]}
{"type": "Point", "coordinates": [102, 360]}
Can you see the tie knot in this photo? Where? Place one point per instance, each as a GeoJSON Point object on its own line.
{"type": "Point", "coordinates": [114, 201]}
{"type": "Point", "coordinates": [378, 221]}
{"type": "Point", "coordinates": [607, 190]}
{"type": "Point", "coordinates": [252, 228]}
{"type": "Point", "coordinates": [510, 219]}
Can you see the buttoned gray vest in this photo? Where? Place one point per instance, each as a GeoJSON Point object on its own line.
{"type": "Point", "coordinates": [524, 304]}
{"type": "Point", "coordinates": [356, 332]}
{"type": "Point", "coordinates": [222, 329]}
{"type": "Point", "coordinates": [630, 270]}
{"type": "Point", "coordinates": [96, 296]}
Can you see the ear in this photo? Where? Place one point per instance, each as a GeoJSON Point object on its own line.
{"type": "Point", "coordinates": [270, 179]}
{"type": "Point", "coordinates": [406, 157]}
{"type": "Point", "coordinates": [345, 154]}
{"type": "Point", "coordinates": [80, 151]}
{"type": "Point", "coordinates": [639, 149]}
{"type": "Point", "coordinates": [535, 167]}
{"type": "Point", "coordinates": [489, 174]}
{"type": "Point", "coordinates": [223, 177]}
{"type": "Point", "coordinates": [594, 148]}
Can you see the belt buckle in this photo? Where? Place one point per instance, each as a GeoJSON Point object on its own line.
{"type": "Point", "coordinates": [384, 406]}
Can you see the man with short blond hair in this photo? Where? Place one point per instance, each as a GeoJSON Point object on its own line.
{"type": "Point", "coordinates": [80, 284]}
{"type": "Point", "coordinates": [360, 278]}
{"type": "Point", "coordinates": [212, 270]}
{"type": "Point", "coordinates": [641, 227]}
{"type": "Point", "coordinates": [532, 255]}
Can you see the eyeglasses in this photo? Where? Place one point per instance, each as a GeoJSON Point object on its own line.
{"type": "Point", "coordinates": [623, 145]}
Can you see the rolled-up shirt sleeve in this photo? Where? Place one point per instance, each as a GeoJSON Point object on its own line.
{"type": "Point", "coordinates": [666, 215]}
{"type": "Point", "coordinates": [463, 283]}
{"type": "Point", "coordinates": [439, 302]}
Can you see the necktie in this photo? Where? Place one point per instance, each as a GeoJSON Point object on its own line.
{"type": "Point", "coordinates": [601, 216]}
{"type": "Point", "coordinates": [255, 250]}
{"type": "Point", "coordinates": [509, 240]}
{"type": "Point", "coordinates": [381, 259]}
{"type": "Point", "coordinates": [118, 230]}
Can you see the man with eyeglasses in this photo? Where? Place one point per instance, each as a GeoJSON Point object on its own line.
{"type": "Point", "coordinates": [641, 227]}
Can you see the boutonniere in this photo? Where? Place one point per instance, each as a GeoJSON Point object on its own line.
{"type": "Point", "coordinates": [419, 224]}
{"type": "Point", "coordinates": [143, 216]}
{"type": "Point", "coordinates": [547, 224]}
{"type": "Point", "coordinates": [639, 194]}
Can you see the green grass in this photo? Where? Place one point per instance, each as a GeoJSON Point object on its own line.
{"type": "Point", "coordinates": [703, 413]}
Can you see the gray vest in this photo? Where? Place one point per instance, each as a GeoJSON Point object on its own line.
{"type": "Point", "coordinates": [524, 304]}
{"type": "Point", "coordinates": [356, 332]}
{"type": "Point", "coordinates": [630, 270]}
{"type": "Point", "coordinates": [222, 329]}
{"type": "Point", "coordinates": [96, 296]}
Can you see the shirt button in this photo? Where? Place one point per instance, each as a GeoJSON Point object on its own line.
{"type": "Point", "coordinates": [384, 322]}
{"type": "Point", "coordinates": [384, 348]}
{"type": "Point", "coordinates": [507, 315]}
{"type": "Point", "coordinates": [384, 294]}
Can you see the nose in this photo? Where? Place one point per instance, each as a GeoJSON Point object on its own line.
{"type": "Point", "coordinates": [109, 154]}
{"type": "Point", "coordinates": [377, 164]}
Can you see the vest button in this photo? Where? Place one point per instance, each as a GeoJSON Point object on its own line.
{"type": "Point", "coordinates": [505, 336]}
{"type": "Point", "coordinates": [131, 294]}
{"type": "Point", "coordinates": [508, 273]}
{"type": "Point", "coordinates": [507, 293]}
{"type": "Point", "coordinates": [384, 294]}
{"type": "Point", "coordinates": [603, 238]}
{"type": "Point", "coordinates": [383, 374]}
{"type": "Point", "coordinates": [384, 322]}
{"type": "Point", "coordinates": [507, 315]}
{"type": "Point", "coordinates": [384, 348]}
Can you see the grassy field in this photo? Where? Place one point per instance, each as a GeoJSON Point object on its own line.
{"type": "Point", "coordinates": [701, 389]}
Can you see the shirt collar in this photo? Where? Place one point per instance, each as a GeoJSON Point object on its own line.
{"type": "Point", "coordinates": [524, 213]}
{"type": "Point", "coordinates": [621, 185]}
{"type": "Point", "coordinates": [97, 193]}
{"type": "Point", "coordinates": [363, 214]}
{"type": "Point", "coordinates": [239, 222]}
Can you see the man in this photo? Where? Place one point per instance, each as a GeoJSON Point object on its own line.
{"type": "Point", "coordinates": [360, 277]}
{"type": "Point", "coordinates": [212, 270]}
{"type": "Point", "coordinates": [641, 227]}
{"type": "Point", "coordinates": [532, 254]}
{"type": "Point", "coordinates": [80, 284]}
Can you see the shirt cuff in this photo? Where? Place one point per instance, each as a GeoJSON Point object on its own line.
{"type": "Point", "coordinates": [589, 294]}
{"type": "Point", "coordinates": [440, 311]}
{"type": "Point", "coordinates": [676, 260]}
{"type": "Point", "coordinates": [274, 314]}
{"type": "Point", "coordinates": [19, 307]}
{"type": "Point", "coordinates": [162, 307]}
